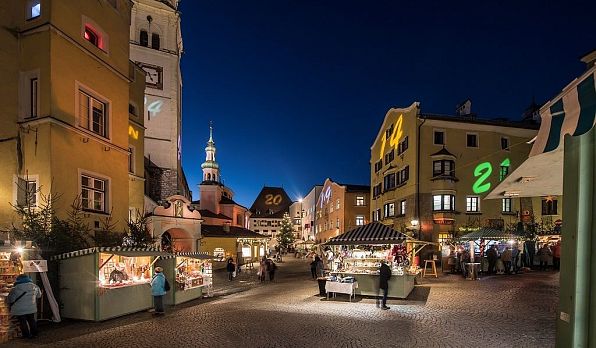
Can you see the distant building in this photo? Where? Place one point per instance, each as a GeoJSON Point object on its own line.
{"type": "Point", "coordinates": [340, 208]}
{"type": "Point", "coordinates": [268, 210]}
{"type": "Point", "coordinates": [309, 208]}
{"type": "Point", "coordinates": [430, 173]}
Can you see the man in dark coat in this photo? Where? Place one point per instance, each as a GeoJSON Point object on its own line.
{"type": "Point", "coordinates": [384, 275]}
{"type": "Point", "coordinates": [492, 255]}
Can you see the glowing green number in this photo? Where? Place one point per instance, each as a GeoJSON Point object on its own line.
{"type": "Point", "coordinates": [483, 170]}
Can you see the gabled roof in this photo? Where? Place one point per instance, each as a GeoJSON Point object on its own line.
{"type": "Point", "coordinates": [372, 233]}
{"type": "Point", "coordinates": [443, 152]}
{"type": "Point", "coordinates": [210, 214]}
{"type": "Point", "coordinates": [234, 232]}
{"type": "Point", "coordinates": [270, 202]}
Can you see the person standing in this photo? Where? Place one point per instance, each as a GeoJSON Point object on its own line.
{"type": "Point", "coordinates": [492, 255]}
{"type": "Point", "coordinates": [384, 276]}
{"type": "Point", "coordinates": [271, 268]}
{"type": "Point", "coordinates": [230, 267]}
{"type": "Point", "coordinates": [320, 268]}
{"type": "Point", "coordinates": [515, 259]}
{"type": "Point", "coordinates": [543, 255]}
{"type": "Point", "coordinates": [465, 259]}
{"type": "Point", "coordinates": [313, 268]}
{"type": "Point", "coordinates": [23, 304]}
{"type": "Point", "coordinates": [506, 257]}
{"type": "Point", "coordinates": [530, 247]}
{"type": "Point", "coordinates": [557, 256]}
{"type": "Point", "coordinates": [158, 290]}
{"type": "Point", "coordinates": [262, 269]}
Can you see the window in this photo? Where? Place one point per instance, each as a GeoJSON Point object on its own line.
{"type": "Point", "coordinates": [503, 172]}
{"type": "Point", "coordinates": [443, 202]}
{"type": "Point", "coordinates": [132, 109]}
{"type": "Point", "coordinates": [91, 36]}
{"type": "Point", "coordinates": [33, 9]}
{"type": "Point", "coordinates": [376, 215]}
{"type": "Point", "coordinates": [403, 146]}
{"type": "Point", "coordinates": [389, 156]}
{"type": "Point", "coordinates": [471, 140]}
{"type": "Point", "coordinates": [360, 201]}
{"type": "Point", "coordinates": [549, 206]}
{"type": "Point", "coordinates": [360, 220]}
{"type": "Point", "coordinates": [506, 205]}
{"type": "Point", "coordinates": [144, 38]}
{"type": "Point", "coordinates": [443, 168]}
{"type": "Point", "coordinates": [93, 193]}
{"type": "Point", "coordinates": [26, 189]}
{"type": "Point", "coordinates": [444, 237]}
{"type": "Point", "coordinates": [337, 205]}
{"type": "Point", "coordinates": [403, 175]}
{"type": "Point", "coordinates": [389, 209]}
{"type": "Point", "coordinates": [33, 96]}
{"type": "Point", "coordinates": [131, 159]}
{"type": "Point", "coordinates": [378, 165]}
{"type": "Point", "coordinates": [92, 114]}
{"type": "Point", "coordinates": [388, 132]}
{"type": "Point", "coordinates": [337, 223]}
{"type": "Point", "coordinates": [402, 207]}
{"type": "Point", "coordinates": [504, 143]}
{"type": "Point", "coordinates": [389, 182]}
{"type": "Point", "coordinates": [472, 204]}
{"type": "Point", "coordinates": [155, 41]}
{"type": "Point", "coordinates": [439, 137]}
{"type": "Point", "coordinates": [377, 190]}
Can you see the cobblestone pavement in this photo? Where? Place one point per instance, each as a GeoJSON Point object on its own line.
{"type": "Point", "coordinates": [504, 311]}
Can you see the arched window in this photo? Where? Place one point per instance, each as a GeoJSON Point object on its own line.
{"type": "Point", "coordinates": [208, 176]}
{"type": "Point", "coordinates": [155, 42]}
{"type": "Point", "coordinates": [144, 38]}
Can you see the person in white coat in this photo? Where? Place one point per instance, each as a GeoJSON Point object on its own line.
{"type": "Point", "coordinates": [22, 300]}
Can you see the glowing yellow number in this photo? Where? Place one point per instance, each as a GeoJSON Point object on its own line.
{"type": "Point", "coordinates": [271, 199]}
{"type": "Point", "coordinates": [133, 133]}
{"type": "Point", "coordinates": [395, 136]}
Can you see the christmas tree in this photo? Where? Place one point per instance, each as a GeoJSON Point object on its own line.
{"type": "Point", "coordinates": [285, 237]}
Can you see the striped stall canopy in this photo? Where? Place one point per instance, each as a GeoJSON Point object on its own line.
{"type": "Point", "coordinates": [192, 255]}
{"type": "Point", "coordinates": [488, 233]}
{"type": "Point", "coordinates": [372, 233]}
{"type": "Point", "coordinates": [125, 251]}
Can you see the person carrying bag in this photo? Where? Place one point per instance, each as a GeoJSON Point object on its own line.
{"type": "Point", "coordinates": [22, 301]}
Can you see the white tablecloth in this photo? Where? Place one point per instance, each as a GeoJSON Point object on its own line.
{"type": "Point", "coordinates": [342, 288]}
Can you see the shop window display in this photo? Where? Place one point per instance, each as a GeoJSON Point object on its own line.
{"type": "Point", "coordinates": [10, 268]}
{"type": "Point", "coordinates": [120, 271]}
{"type": "Point", "coordinates": [192, 273]}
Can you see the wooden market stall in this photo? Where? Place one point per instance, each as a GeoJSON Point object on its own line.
{"type": "Point", "coordinates": [359, 252]}
{"type": "Point", "coordinates": [189, 273]}
{"type": "Point", "coordinates": [106, 282]}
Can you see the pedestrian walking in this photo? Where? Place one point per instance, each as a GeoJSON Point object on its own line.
{"type": "Point", "coordinates": [543, 255]}
{"type": "Point", "coordinates": [530, 248]}
{"type": "Point", "coordinates": [506, 257]}
{"type": "Point", "coordinates": [271, 268]}
{"type": "Point", "coordinates": [384, 276]}
{"type": "Point", "coordinates": [557, 256]}
{"type": "Point", "coordinates": [231, 268]}
{"type": "Point", "coordinates": [492, 255]}
{"type": "Point", "coordinates": [262, 269]}
{"type": "Point", "coordinates": [515, 259]}
{"type": "Point", "coordinates": [159, 287]}
{"type": "Point", "coordinates": [313, 268]}
{"type": "Point", "coordinates": [22, 300]}
{"type": "Point", "coordinates": [320, 268]}
{"type": "Point", "coordinates": [464, 260]}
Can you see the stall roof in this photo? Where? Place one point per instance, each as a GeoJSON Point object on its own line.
{"type": "Point", "coordinates": [193, 255]}
{"type": "Point", "coordinates": [488, 233]}
{"type": "Point", "coordinates": [124, 251]}
{"type": "Point", "coordinates": [372, 233]}
{"type": "Point", "coordinates": [231, 232]}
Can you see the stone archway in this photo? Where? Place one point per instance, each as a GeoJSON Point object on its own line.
{"type": "Point", "coordinates": [177, 240]}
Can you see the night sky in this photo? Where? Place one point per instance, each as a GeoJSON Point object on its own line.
{"type": "Point", "coordinates": [297, 90]}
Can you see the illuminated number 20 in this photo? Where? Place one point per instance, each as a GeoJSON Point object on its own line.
{"type": "Point", "coordinates": [483, 170]}
{"type": "Point", "coordinates": [271, 199]}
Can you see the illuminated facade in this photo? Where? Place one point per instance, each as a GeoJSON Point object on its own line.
{"type": "Point", "coordinates": [156, 46]}
{"type": "Point", "coordinates": [340, 208]}
{"type": "Point", "coordinates": [66, 122]}
{"type": "Point", "coordinates": [430, 173]}
{"type": "Point", "coordinates": [268, 210]}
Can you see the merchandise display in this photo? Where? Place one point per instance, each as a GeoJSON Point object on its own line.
{"type": "Point", "coordinates": [192, 273]}
{"type": "Point", "coordinates": [120, 271]}
{"type": "Point", "coordinates": [10, 268]}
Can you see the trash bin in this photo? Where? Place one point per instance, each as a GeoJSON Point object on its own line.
{"type": "Point", "coordinates": [473, 269]}
{"type": "Point", "coordinates": [322, 281]}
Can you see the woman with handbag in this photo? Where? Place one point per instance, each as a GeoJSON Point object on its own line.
{"type": "Point", "coordinates": [22, 300]}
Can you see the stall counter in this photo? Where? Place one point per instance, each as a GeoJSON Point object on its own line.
{"type": "Point", "coordinates": [400, 286]}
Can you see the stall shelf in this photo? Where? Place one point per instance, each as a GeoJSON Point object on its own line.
{"type": "Point", "coordinates": [190, 276]}
{"type": "Point", "coordinates": [106, 282]}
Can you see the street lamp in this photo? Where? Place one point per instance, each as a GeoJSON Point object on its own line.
{"type": "Point", "coordinates": [416, 226]}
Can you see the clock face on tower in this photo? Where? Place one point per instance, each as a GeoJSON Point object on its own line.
{"type": "Point", "coordinates": [154, 75]}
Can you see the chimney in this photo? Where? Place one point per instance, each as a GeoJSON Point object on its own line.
{"type": "Point", "coordinates": [464, 109]}
{"type": "Point", "coordinates": [589, 59]}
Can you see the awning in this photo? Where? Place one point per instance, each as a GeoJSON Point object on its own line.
{"type": "Point", "coordinates": [571, 112]}
{"type": "Point", "coordinates": [122, 251]}
{"type": "Point", "coordinates": [372, 233]}
{"type": "Point", "coordinates": [192, 255]}
{"type": "Point", "coordinates": [488, 233]}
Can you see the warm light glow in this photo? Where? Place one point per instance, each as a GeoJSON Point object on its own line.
{"type": "Point", "coordinates": [511, 241]}
{"type": "Point", "coordinates": [20, 250]}
{"type": "Point", "coordinates": [414, 222]}
{"type": "Point", "coordinates": [133, 133]}
{"type": "Point", "coordinates": [299, 200]}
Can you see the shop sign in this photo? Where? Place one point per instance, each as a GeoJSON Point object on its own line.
{"type": "Point", "coordinates": [443, 221]}
{"type": "Point", "coordinates": [35, 266]}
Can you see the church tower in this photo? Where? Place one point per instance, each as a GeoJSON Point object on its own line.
{"type": "Point", "coordinates": [210, 166]}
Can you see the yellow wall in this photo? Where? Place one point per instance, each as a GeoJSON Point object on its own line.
{"type": "Point", "coordinates": [208, 244]}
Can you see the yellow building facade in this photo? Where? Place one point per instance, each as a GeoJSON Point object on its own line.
{"type": "Point", "coordinates": [67, 127]}
{"type": "Point", "coordinates": [430, 173]}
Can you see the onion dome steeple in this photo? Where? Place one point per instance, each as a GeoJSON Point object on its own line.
{"type": "Point", "coordinates": [210, 166]}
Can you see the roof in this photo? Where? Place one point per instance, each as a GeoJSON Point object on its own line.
{"type": "Point", "coordinates": [356, 188]}
{"type": "Point", "coordinates": [124, 251]}
{"type": "Point", "coordinates": [443, 152]}
{"type": "Point", "coordinates": [234, 232]}
{"type": "Point", "coordinates": [372, 233]}
{"type": "Point", "coordinates": [192, 255]}
{"type": "Point", "coordinates": [483, 121]}
{"type": "Point", "coordinates": [271, 202]}
{"type": "Point", "coordinates": [210, 214]}
{"type": "Point", "coordinates": [226, 200]}
{"type": "Point", "coordinates": [488, 233]}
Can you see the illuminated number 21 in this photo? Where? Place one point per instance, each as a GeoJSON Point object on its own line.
{"type": "Point", "coordinates": [395, 135]}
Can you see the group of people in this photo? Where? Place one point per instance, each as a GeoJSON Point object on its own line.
{"type": "Point", "coordinates": [513, 258]}
{"type": "Point", "coordinates": [266, 267]}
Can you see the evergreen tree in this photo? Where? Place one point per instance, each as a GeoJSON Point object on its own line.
{"type": "Point", "coordinates": [285, 237]}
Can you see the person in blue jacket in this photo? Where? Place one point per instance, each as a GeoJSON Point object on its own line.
{"type": "Point", "coordinates": [23, 304]}
{"type": "Point", "coordinates": [158, 290]}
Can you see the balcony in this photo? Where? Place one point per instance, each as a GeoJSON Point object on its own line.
{"type": "Point", "coordinates": [444, 217]}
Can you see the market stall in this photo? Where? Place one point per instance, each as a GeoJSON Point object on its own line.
{"type": "Point", "coordinates": [190, 275]}
{"type": "Point", "coordinates": [358, 253]}
{"type": "Point", "coordinates": [478, 242]}
{"type": "Point", "coordinates": [106, 282]}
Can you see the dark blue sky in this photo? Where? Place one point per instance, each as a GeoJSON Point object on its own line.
{"type": "Point", "coordinates": [297, 89]}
